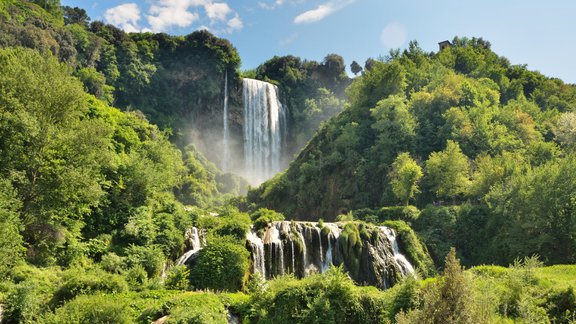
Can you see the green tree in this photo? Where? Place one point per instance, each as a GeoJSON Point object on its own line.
{"type": "Point", "coordinates": [75, 15]}
{"type": "Point", "coordinates": [448, 171]}
{"type": "Point", "coordinates": [450, 300]}
{"type": "Point", "coordinates": [49, 149]}
{"type": "Point", "coordinates": [355, 67]}
{"type": "Point", "coordinates": [565, 130]}
{"type": "Point", "coordinates": [395, 127]}
{"type": "Point", "coordinates": [222, 265]}
{"type": "Point", "coordinates": [11, 249]}
{"type": "Point", "coordinates": [404, 177]}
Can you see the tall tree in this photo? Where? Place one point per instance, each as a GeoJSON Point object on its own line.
{"type": "Point", "coordinates": [405, 175]}
{"type": "Point", "coordinates": [355, 67]}
{"type": "Point", "coordinates": [448, 171]}
{"type": "Point", "coordinates": [75, 15]}
{"type": "Point", "coordinates": [450, 300]}
{"type": "Point", "coordinates": [49, 150]}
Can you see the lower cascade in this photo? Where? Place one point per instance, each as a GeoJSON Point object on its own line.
{"type": "Point", "coordinates": [370, 254]}
{"type": "Point", "coordinates": [194, 244]}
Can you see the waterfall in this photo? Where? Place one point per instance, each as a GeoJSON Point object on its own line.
{"type": "Point", "coordinates": [381, 262]}
{"type": "Point", "coordinates": [304, 254]}
{"type": "Point", "coordinates": [404, 264]}
{"type": "Point", "coordinates": [319, 231]}
{"type": "Point", "coordinates": [226, 155]}
{"type": "Point", "coordinates": [192, 237]}
{"type": "Point", "coordinates": [256, 247]}
{"type": "Point", "coordinates": [264, 129]}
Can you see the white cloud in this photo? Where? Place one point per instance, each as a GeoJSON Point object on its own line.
{"type": "Point", "coordinates": [322, 11]}
{"type": "Point", "coordinates": [217, 11]}
{"type": "Point", "coordinates": [393, 36]}
{"type": "Point", "coordinates": [125, 16]}
{"type": "Point", "coordinates": [235, 24]}
{"type": "Point", "coordinates": [170, 13]}
{"type": "Point", "coordinates": [271, 6]}
{"type": "Point", "coordinates": [163, 15]}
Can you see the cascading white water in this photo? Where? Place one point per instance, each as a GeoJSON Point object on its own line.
{"type": "Point", "coordinates": [304, 254]}
{"type": "Point", "coordinates": [264, 130]}
{"type": "Point", "coordinates": [314, 248]}
{"type": "Point", "coordinates": [257, 247]}
{"type": "Point", "coordinates": [193, 238]}
{"type": "Point", "coordinates": [225, 135]}
{"type": "Point", "coordinates": [405, 266]}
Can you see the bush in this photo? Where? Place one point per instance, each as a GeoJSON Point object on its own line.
{"type": "Point", "coordinates": [263, 216]}
{"type": "Point", "coordinates": [137, 277]}
{"type": "Point", "coordinates": [405, 296]}
{"type": "Point", "coordinates": [177, 278]}
{"type": "Point", "coordinates": [408, 214]}
{"type": "Point", "coordinates": [11, 249]}
{"type": "Point", "coordinates": [91, 309]}
{"type": "Point", "coordinates": [561, 305]}
{"type": "Point", "coordinates": [30, 297]}
{"type": "Point", "coordinates": [235, 229]}
{"type": "Point", "coordinates": [112, 263]}
{"type": "Point", "coordinates": [328, 298]}
{"type": "Point", "coordinates": [98, 246]}
{"type": "Point", "coordinates": [437, 228]}
{"type": "Point", "coordinates": [222, 265]}
{"type": "Point", "coordinates": [80, 282]}
{"type": "Point", "coordinates": [150, 258]}
{"type": "Point", "coordinates": [201, 308]}
{"type": "Point", "coordinates": [169, 238]}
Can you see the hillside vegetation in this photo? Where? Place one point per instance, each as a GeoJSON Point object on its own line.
{"type": "Point", "coordinates": [482, 148]}
{"type": "Point", "coordinates": [452, 149]}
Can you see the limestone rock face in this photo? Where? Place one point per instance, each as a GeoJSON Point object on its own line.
{"type": "Point", "coordinates": [369, 253]}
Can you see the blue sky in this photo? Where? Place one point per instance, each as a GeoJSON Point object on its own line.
{"type": "Point", "coordinates": [541, 34]}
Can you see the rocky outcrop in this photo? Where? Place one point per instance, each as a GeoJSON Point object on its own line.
{"type": "Point", "coordinates": [370, 254]}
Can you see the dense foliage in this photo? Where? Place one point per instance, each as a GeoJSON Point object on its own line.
{"type": "Point", "coordinates": [462, 126]}
{"type": "Point", "coordinates": [95, 203]}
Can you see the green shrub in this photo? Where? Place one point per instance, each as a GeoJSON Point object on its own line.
{"type": "Point", "coordinates": [11, 249]}
{"type": "Point", "coordinates": [98, 246]}
{"type": "Point", "coordinates": [490, 271]}
{"type": "Point", "coordinates": [193, 307]}
{"type": "Point", "coordinates": [221, 265]}
{"type": "Point", "coordinates": [91, 309]}
{"type": "Point", "coordinates": [79, 282]}
{"type": "Point", "coordinates": [404, 213]}
{"type": "Point", "coordinates": [177, 278]}
{"type": "Point", "coordinates": [238, 304]}
{"type": "Point", "coordinates": [405, 296]}
{"type": "Point", "coordinates": [112, 263]}
{"type": "Point", "coordinates": [328, 298]}
{"type": "Point", "coordinates": [233, 228]}
{"type": "Point", "coordinates": [437, 228]}
{"type": "Point", "coordinates": [169, 238]}
{"type": "Point", "coordinates": [137, 277]}
{"type": "Point", "coordinates": [561, 305]}
{"type": "Point", "coordinates": [263, 216]}
{"type": "Point", "coordinates": [150, 258]}
{"type": "Point", "coordinates": [31, 295]}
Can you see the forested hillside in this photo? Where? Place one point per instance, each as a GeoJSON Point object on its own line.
{"type": "Point", "coordinates": [177, 82]}
{"type": "Point", "coordinates": [113, 215]}
{"type": "Point", "coordinates": [482, 147]}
